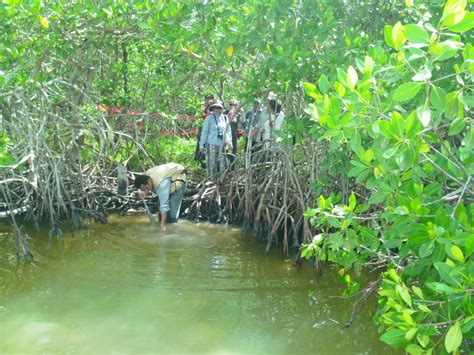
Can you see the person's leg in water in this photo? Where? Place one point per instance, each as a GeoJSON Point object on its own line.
{"type": "Point", "coordinates": [176, 199]}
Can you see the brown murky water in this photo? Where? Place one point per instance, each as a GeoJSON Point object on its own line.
{"type": "Point", "coordinates": [195, 288]}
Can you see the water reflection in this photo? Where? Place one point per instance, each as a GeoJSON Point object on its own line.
{"type": "Point", "coordinates": [130, 288]}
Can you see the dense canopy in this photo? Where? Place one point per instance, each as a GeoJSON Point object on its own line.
{"type": "Point", "coordinates": [378, 97]}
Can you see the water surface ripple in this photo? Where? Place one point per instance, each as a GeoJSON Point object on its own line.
{"type": "Point", "coordinates": [195, 288]}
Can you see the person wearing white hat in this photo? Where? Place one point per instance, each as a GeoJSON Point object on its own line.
{"type": "Point", "coordinates": [233, 117]}
{"type": "Point", "coordinates": [263, 132]}
{"type": "Point", "coordinates": [215, 138]}
{"type": "Point", "coordinates": [275, 123]}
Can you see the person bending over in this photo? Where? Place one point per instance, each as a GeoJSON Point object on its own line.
{"type": "Point", "coordinates": [168, 181]}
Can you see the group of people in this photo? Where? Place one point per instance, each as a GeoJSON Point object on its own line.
{"type": "Point", "coordinates": [217, 138]}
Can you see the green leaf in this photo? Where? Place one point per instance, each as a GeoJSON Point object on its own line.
{"type": "Point", "coordinates": [377, 198]}
{"type": "Point", "coordinates": [453, 338]}
{"type": "Point", "coordinates": [368, 156]}
{"type": "Point", "coordinates": [445, 50]}
{"type": "Point", "coordinates": [411, 333]}
{"type": "Point", "coordinates": [393, 274]}
{"type": "Point", "coordinates": [469, 245]}
{"type": "Point", "coordinates": [402, 291]}
{"type": "Point", "coordinates": [416, 34]}
{"type": "Point", "coordinates": [394, 337]}
{"type": "Point", "coordinates": [368, 64]}
{"type": "Point", "coordinates": [441, 288]}
{"type": "Point", "coordinates": [309, 88]}
{"type": "Point", "coordinates": [457, 126]}
{"type": "Point", "coordinates": [323, 84]}
{"type": "Point", "coordinates": [466, 24]}
{"type": "Point", "coordinates": [385, 129]}
{"type": "Point", "coordinates": [398, 35]}
{"type": "Point", "coordinates": [341, 91]}
{"type": "Point", "coordinates": [437, 98]}
{"type": "Point", "coordinates": [457, 253]}
{"type": "Point", "coordinates": [453, 12]}
{"type": "Point", "coordinates": [444, 271]}
{"type": "Point", "coordinates": [387, 31]}
{"type": "Point", "coordinates": [352, 202]}
{"type": "Point", "coordinates": [322, 202]}
{"type": "Point", "coordinates": [355, 142]}
{"type": "Point", "coordinates": [418, 291]}
{"type": "Point", "coordinates": [406, 91]}
{"type": "Point", "coordinates": [424, 340]}
{"type": "Point", "coordinates": [415, 349]}
{"type": "Point", "coordinates": [342, 76]}
{"type": "Point", "coordinates": [389, 152]}
{"type": "Point", "coordinates": [452, 105]}
{"type": "Point", "coordinates": [334, 222]}
{"type": "Point", "coordinates": [397, 124]}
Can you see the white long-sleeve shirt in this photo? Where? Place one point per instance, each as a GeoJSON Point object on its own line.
{"type": "Point", "coordinates": [268, 133]}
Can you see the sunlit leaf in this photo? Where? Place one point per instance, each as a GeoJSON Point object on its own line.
{"type": "Point", "coordinates": [466, 24]}
{"type": "Point", "coordinates": [393, 274]}
{"type": "Point", "coordinates": [352, 202]}
{"type": "Point", "coordinates": [457, 253]}
{"type": "Point", "coordinates": [388, 35]}
{"type": "Point", "coordinates": [351, 77]}
{"type": "Point", "coordinates": [415, 349]}
{"type": "Point", "coordinates": [402, 291]}
{"type": "Point", "coordinates": [44, 22]}
{"type": "Point", "coordinates": [406, 91]}
{"type": "Point", "coordinates": [368, 64]}
{"type": "Point", "coordinates": [453, 338]}
{"type": "Point", "coordinates": [368, 156]}
{"type": "Point", "coordinates": [398, 35]}
{"type": "Point", "coordinates": [340, 89]}
{"type": "Point", "coordinates": [308, 87]}
{"type": "Point", "coordinates": [453, 12]}
{"type": "Point", "coordinates": [416, 34]}
{"type": "Point", "coordinates": [417, 291]}
{"type": "Point", "coordinates": [384, 127]}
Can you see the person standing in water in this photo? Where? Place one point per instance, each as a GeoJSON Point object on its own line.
{"type": "Point", "coordinates": [169, 182]}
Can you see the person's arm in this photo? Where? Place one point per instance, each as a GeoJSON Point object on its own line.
{"type": "Point", "coordinates": [246, 123]}
{"type": "Point", "coordinates": [204, 134]}
{"type": "Point", "coordinates": [279, 121]}
{"type": "Point", "coordinates": [228, 134]}
{"type": "Point", "coordinates": [164, 219]}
